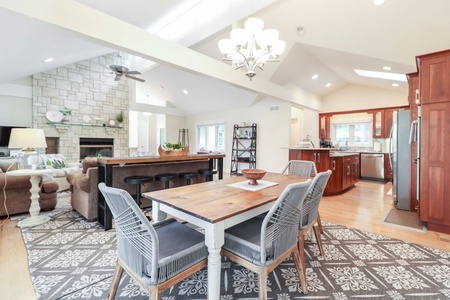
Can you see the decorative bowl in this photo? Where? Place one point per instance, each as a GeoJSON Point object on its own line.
{"type": "Point", "coordinates": [253, 175]}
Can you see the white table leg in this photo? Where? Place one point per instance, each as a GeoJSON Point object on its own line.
{"type": "Point", "coordinates": [35, 218]}
{"type": "Point", "coordinates": [214, 239]}
{"type": "Point", "coordinates": [157, 214]}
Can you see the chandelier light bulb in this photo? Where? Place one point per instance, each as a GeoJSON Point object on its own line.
{"type": "Point", "coordinates": [252, 47]}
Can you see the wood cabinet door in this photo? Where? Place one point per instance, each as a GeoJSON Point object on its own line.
{"type": "Point", "coordinates": [387, 122]}
{"type": "Point", "coordinates": [324, 126]}
{"type": "Point", "coordinates": [413, 85]}
{"type": "Point", "coordinates": [387, 168]}
{"type": "Point", "coordinates": [377, 124]}
{"type": "Point", "coordinates": [356, 169]}
{"type": "Point", "coordinates": [435, 78]}
{"type": "Point", "coordinates": [435, 166]}
{"type": "Point", "coordinates": [295, 154]}
{"type": "Point", "coordinates": [334, 184]}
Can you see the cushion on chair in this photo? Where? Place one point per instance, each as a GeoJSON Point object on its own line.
{"type": "Point", "coordinates": [247, 243]}
{"type": "Point", "coordinates": [180, 247]}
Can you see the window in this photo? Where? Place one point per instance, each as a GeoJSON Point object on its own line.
{"type": "Point", "coordinates": [211, 136]}
{"type": "Point", "coordinates": [357, 134]}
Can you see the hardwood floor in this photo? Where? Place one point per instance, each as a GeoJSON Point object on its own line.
{"type": "Point", "coordinates": [362, 207]}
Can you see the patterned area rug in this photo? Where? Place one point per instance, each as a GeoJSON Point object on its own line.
{"type": "Point", "coordinates": [73, 259]}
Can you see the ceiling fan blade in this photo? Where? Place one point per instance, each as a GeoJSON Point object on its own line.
{"type": "Point", "coordinates": [135, 78]}
{"type": "Point", "coordinates": [133, 72]}
{"type": "Point", "coordinates": [117, 77]}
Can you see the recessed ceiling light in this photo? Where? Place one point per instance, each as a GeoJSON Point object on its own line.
{"type": "Point", "coordinates": [48, 59]}
{"type": "Point", "coordinates": [395, 85]}
{"type": "Point", "coordinates": [381, 75]}
{"type": "Point", "coordinates": [315, 76]}
{"type": "Point", "coordinates": [185, 92]}
{"type": "Point", "coordinates": [386, 68]}
{"type": "Point", "coordinates": [378, 2]}
{"type": "Point", "coordinates": [328, 85]}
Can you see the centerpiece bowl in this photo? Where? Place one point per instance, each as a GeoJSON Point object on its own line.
{"type": "Point", "coordinates": [253, 175]}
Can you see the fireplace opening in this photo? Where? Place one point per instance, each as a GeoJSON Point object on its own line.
{"type": "Point", "coordinates": [96, 147]}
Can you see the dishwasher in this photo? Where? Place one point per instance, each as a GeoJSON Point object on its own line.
{"type": "Point", "coordinates": [372, 166]}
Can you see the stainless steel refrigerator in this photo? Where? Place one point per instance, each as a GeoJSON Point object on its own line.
{"type": "Point", "coordinates": [400, 158]}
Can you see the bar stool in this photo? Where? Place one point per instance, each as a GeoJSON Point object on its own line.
{"type": "Point", "coordinates": [166, 178]}
{"type": "Point", "coordinates": [138, 180]}
{"type": "Point", "coordinates": [208, 173]}
{"type": "Point", "coordinates": [188, 176]}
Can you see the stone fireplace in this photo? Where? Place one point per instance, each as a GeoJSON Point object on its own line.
{"type": "Point", "coordinates": [89, 90]}
{"type": "Point", "coordinates": [94, 147]}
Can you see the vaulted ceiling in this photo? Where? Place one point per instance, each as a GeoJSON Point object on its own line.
{"type": "Point", "coordinates": [324, 37]}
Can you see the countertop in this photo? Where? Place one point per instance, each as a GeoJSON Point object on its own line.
{"type": "Point", "coordinates": [341, 152]}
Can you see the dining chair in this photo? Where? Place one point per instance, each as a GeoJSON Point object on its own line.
{"type": "Point", "coordinates": [310, 214]}
{"type": "Point", "coordinates": [157, 256]}
{"type": "Point", "coordinates": [260, 244]}
{"type": "Point", "coordinates": [304, 168]}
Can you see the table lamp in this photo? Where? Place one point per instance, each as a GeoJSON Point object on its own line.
{"type": "Point", "coordinates": [28, 140]}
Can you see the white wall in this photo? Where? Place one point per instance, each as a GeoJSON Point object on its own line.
{"type": "Point", "coordinates": [273, 132]}
{"type": "Point", "coordinates": [16, 104]}
{"type": "Point", "coordinates": [355, 97]}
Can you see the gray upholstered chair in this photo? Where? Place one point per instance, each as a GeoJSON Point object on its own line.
{"type": "Point", "coordinates": [157, 256]}
{"type": "Point", "coordinates": [310, 214]}
{"type": "Point", "coordinates": [304, 168]}
{"type": "Point", "coordinates": [263, 242]}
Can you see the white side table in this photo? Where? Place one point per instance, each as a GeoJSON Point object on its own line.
{"type": "Point", "coordinates": [35, 176]}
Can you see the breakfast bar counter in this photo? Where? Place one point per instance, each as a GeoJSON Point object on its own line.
{"type": "Point", "coordinates": [112, 170]}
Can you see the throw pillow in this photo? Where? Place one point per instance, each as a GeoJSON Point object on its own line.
{"type": "Point", "coordinates": [8, 164]}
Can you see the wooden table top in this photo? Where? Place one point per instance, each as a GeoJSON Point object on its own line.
{"type": "Point", "coordinates": [156, 159]}
{"type": "Point", "coordinates": [214, 201]}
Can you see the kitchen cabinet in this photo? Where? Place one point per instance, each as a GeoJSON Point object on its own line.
{"type": "Point", "coordinates": [434, 96]}
{"type": "Point", "coordinates": [434, 76]}
{"type": "Point", "coordinates": [387, 122]}
{"type": "Point", "coordinates": [435, 167]}
{"type": "Point", "coordinates": [345, 173]}
{"type": "Point", "coordinates": [388, 175]}
{"type": "Point", "coordinates": [345, 168]}
{"type": "Point", "coordinates": [320, 157]}
{"type": "Point", "coordinates": [382, 123]}
{"type": "Point", "coordinates": [413, 89]}
{"type": "Point", "coordinates": [377, 124]}
{"type": "Point", "coordinates": [324, 126]}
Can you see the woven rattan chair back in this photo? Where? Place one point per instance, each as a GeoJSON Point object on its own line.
{"type": "Point", "coordinates": [142, 248]}
{"type": "Point", "coordinates": [304, 168]}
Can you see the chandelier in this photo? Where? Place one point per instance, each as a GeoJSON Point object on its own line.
{"type": "Point", "coordinates": [252, 47]}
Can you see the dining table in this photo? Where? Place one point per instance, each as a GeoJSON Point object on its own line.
{"type": "Point", "coordinates": [217, 205]}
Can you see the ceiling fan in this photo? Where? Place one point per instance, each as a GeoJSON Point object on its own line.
{"type": "Point", "coordinates": [121, 70]}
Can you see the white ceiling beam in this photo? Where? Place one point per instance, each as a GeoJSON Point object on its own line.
{"type": "Point", "coordinates": [111, 32]}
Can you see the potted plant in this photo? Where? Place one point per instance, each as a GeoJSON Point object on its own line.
{"type": "Point", "coordinates": [173, 149]}
{"type": "Point", "coordinates": [66, 114]}
{"type": "Point", "coordinates": [120, 117]}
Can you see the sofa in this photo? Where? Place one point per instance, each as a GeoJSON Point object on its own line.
{"type": "Point", "coordinates": [62, 168]}
{"type": "Point", "coordinates": [16, 191]}
{"type": "Point", "coordinates": [83, 186]}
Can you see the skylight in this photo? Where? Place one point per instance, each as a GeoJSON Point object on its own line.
{"type": "Point", "coordinates": [381, 75]}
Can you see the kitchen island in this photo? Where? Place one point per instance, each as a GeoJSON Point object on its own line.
{"type": "Point", "coordinates": [112, 171]}
{"type": "Point", "coordinates": [345, 166]}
